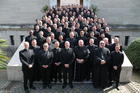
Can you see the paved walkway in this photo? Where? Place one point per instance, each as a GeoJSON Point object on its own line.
{"type": "Point", "coordinates": [17, 87]}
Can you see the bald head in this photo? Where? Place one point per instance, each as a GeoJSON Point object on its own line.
{"type": "Point", "coordinates": [102, 44]}
{"type": "Point", "coordinates": [67, 44]}
{"type": "Point", "coordinates": [81, 43]}
{"type": "Point", "coordinates": [26, 45]}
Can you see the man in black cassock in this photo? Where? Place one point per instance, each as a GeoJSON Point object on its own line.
{"type": "Point", "coordinates": [116, 41]}
{"type": "Point", "coordinates": [81, 54]}
{"type": "Point", "coordinates": [46, 59]}
{"type": "Point", "coordinates": [102, 59]}
{"type": "Point", "coordinates": [30, 37]}
{"type": "Point", "coordinates": [117, 58]}
{"type": "Point", "coordinates": [91, 60]}
{"type": "Point", "coordinates": [72, 40]}
{"type": "Point", "coordinates": [27, 59]}
{"type": "Point", "coordinates": [41, 39]}
{"type": "Point", "coordinates": [36, 68]}
{"type": "Point", "coordinates": [57, 66]}
{"type": "Point", "coordinates": [67, 59]}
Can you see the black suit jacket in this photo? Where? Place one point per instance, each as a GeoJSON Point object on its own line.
{"type": "Point", "coordinates": [102, 54]}
{"type": "Point", "coordinates": [117, 58]}
{"type": "Point", "coordinates": [67, 56]}
{"type": "Point", "coordinates": [26, 58]}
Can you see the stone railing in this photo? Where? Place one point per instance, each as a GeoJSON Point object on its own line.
{"type": "Point", "coordinates": [15, 73]}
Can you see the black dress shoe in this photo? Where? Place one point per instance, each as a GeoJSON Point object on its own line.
{"type": "Point", "coordinates": [44, 86]}
{"type": "Point", "coordinates": [27, 91]}
{"type": "Point", "coordinates": [117, 88]}
{"type": "Point", "coordinates": [71, 86]}
{"type": "Point", "coordinates": [49, 86]}
{"type": "Point", "coordinates": [33, 87]}
{"type": "Point", "coordinates": [64, 86]}
{"type": "Point", "coordinates": [60, 80]}
{"type": "Point", "coordinates": [55, 80]}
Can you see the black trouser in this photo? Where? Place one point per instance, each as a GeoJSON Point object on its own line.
{"type": "Point", "coordinates": [36, 72]}
{"type": "Point", "coordinates": [88, 69]}
{"type": "Point", "coordinates": [101, 76]}
{"type": "Point", "coordinates": [28, 77]}
{"type": "Point", "coordinates": [80, 71]}
{"type": "Point", "coordinates": [57, 72]}
{"type": "Point", "coordinates": [116, 76]}
{"type": "Point", "coordinates": [45, 75]}
{"type": "Point", "coordinates": [110, 69]}
{"type": "Point", "coordinates": [67, 75]}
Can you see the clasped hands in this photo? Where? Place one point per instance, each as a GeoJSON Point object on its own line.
{"type": "Point", "coordinates": [103, 62]}
{"type": "Point", "coordinates": [79, 60]}
{"type": "Point", "coordinates": [45, 66]}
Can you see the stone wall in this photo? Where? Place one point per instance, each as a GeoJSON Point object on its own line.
{"type": "Point", "coordinates": [114, 11]}
{"type": "Point", "coordinates": [121, 33]}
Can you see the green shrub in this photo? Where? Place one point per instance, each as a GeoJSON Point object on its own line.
{"type": "Point", "coordinates": [133, 53]}
{"type": "Point", "coordinates": [3, 57]}
{"type": "Point", "coordinates": [94, 8]}
{"type": "Point", "coordinates": [45, 8]}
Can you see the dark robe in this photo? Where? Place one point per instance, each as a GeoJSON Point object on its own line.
{"type": "Point", "coordinates": [46, 58]}
{"type": "Point", "coordinates": [61, 43]}
{"type": "Point", "coordinates": [109, 37]}
{"type": "Point", "coordinates": [57, 69]}
{"type": "Point", "coordinates": [112, 47]}
{"type": "Point", "coordinates": [41, 41]}
{"type": "Point", "coordinates": [91, 60]}
{"type": "Point", "coordinates": [27, 58]}
{"type": "Point", "coordinates": [73, 42]}
{"type": "Point", "coordinates": [101, 70]}
{"type": "Point", "coordinates": [36, 68]}
{"type": "Point", "coordinates": [29, 38]}
{"type": "Point", "coordinates": [66, 31]}
{"type": "Point", "coordinates": [67, 57]}
{"type": "Point", "coordinates": [117, 59]}
{"type": "Point", "coordinates": [81, 53]}
{"type": "Point", "coordinates": [84, 38]}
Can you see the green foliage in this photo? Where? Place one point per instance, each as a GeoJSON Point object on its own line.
{"type": "Point", "coordinates": [94, 8]}
{"type": "Point", "coordinates": [3, 43]}
{"type": "Point", "coordinates": [3, 57]}
{"type": "Point", "coordinates": [133, 53]}
{"type": "Point", "coordinates": [45, 8]}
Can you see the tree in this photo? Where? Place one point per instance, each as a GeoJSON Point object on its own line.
{"type": "Point", "coordinates": [94, 8]}
{"type": "Point", "coordinates": [133, 53]}
{"type": "Point", "coordinates": [45, 8]}
{"type": "Point", "coordinates": [3, 57]}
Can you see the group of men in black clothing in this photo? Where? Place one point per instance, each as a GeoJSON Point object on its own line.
{"type": "Point", "coordinates": [71, 44]}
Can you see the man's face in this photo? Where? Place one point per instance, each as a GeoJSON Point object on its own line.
{"type": "Point", "coordinates": [56, 44]}
{"type": "Point", "coordinates": [91, 41]}
{"type": "Point", "coordinates": [67, 44]}
{"type": "Point", "coordinates": [34, 42]}
{"type": "Point", "coordinates": [81, 43]}
{"type": "Point", "coordinates": [102, 44]}
{"type": "Point", "coordinates": [45, 46]}
{"type": "Point", "coordinates": [26, 45]}
{"type": "Point", "coordinates": [117, 48]}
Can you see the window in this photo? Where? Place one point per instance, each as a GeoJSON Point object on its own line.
{"type": "Point", "coordinates": [12, 40]}
{"type": "Point", "coordinates": [126, 40]}
{"type": "Point", "coordinates": [21, 37]}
